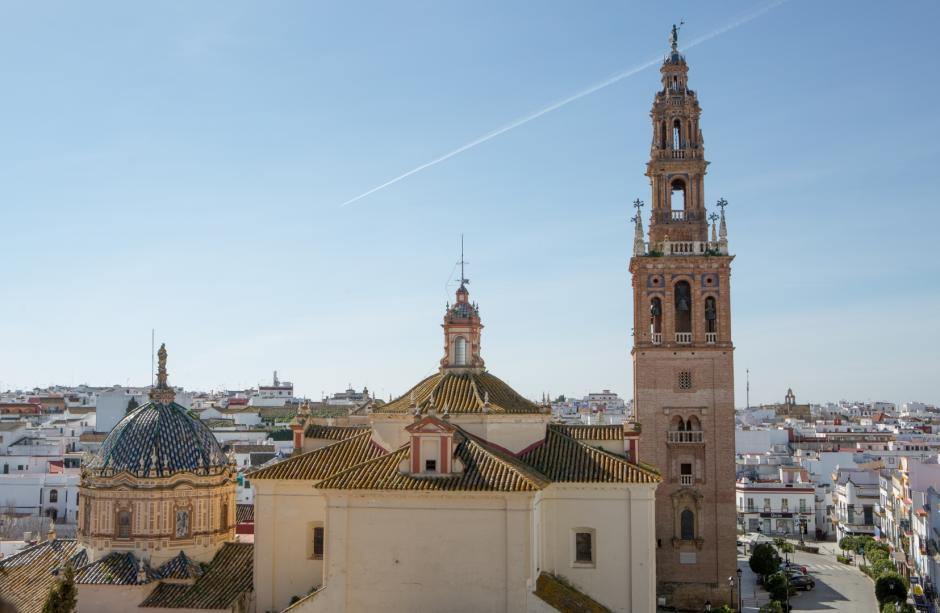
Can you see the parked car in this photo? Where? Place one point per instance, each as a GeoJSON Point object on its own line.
{"type": "Point", "coordinates": [791, 567]}
{"type": "Point", "coordinates": [802, 581]}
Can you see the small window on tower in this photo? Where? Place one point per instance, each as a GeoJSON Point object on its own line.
{"type": "Point", "coordinates": [430, 466]}
{"type": "Point", "coordinates": [460, 351]}
{"type": "Point", "coordinates": [685, 380]}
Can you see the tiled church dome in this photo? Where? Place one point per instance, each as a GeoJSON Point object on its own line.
{"type": "Point", "coordinates": [157, 440]}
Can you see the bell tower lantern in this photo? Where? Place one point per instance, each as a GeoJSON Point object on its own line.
{"type": "Point", "coordinates": [462, 328]}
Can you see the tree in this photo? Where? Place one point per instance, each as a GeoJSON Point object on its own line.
{"type": "Point", "coordinates": [764, 559]}
{"type": "Point", "coordinates": [63, 597]}
{"type": "Point", "coordinates": [890, 587]}
{"type": "Point", "coordinates": [777, 586]}
{"type": "Point", "coordinates": [131, 405]}
{"type": "Point", "coordinates": [897, 607]}
{"type": "Point", "coordinates": [848, 543]}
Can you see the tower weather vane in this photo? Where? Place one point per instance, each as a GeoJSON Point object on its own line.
{"type": "Point", "coordinates": [721, 204]}
{"type": "Point", "coordinates": [638, 204]}
{"type": "Point", "coordinates": [713, 217]}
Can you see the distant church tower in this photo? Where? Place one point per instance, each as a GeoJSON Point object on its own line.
{"type": "Point", "coordinates": [683, 373]}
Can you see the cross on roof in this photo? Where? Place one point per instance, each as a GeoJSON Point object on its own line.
{"type": "Point", "coordinates": [722, 203]}
{"type": "Point", "coordinates": [637, 204]}
{"type": "Point", "coordinates": [713, 217]}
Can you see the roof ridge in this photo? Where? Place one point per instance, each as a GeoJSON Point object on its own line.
{"type": "Point", "coordinates": [404, 448]}
{"type": "Point", "coordinates": [258, 474]}
{"type": "Point", "coordinates": [508, 460]}
{"type": "Point", "coordinates": [609, 454]}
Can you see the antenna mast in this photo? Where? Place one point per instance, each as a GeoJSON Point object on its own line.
{"type": "Point", "coordinates": [463, 279]}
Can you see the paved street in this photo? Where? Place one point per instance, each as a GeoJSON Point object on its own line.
{"type": "Point", "coordinates": [839, 587]}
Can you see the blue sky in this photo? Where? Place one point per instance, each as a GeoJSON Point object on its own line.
{"type": "Point", "coordinates": [182, 166]}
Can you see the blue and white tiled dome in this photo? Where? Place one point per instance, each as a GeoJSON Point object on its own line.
{"type": "Point", "coordinates": [157, 440]}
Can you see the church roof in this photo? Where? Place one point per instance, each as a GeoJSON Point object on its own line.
{"type": "Point", "coordinates": [332, 433]}
{"type": "Point", "coordinates": [461, 393]}
{"type": "Point", "coordinates": [485, 469]}
{"type": "Point", "coordinates": [159, 439]}
{"type": "Point", "coordinates": [562, 458]}
{"type": "Point", "coordinates": [607, 432]}
{"type": "Point", "coordinates": [226, 579]}
{"type": "Point", "coordinates": [27, 576]}
{"type": "Point", "coordinates": [114, 569]}
{"type": "Point", "coordinates": [321, 463]}
{"type": "Point", "coordinates": [180, 566]}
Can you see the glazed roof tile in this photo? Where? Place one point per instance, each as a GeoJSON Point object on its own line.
{"type": "Point", "coordinates": [227, 578]}
{"type": "Point", "coordinates": [332, 433]}
{"type": "Point", "coordinates": [27, 576]}
{"type": "Point", "coordinates": [563, 459]}
{"type": "Point", "coordinates": [321, 463]}
{"type": "Point", "coordinates": [485, 469]}
{"type": "Point", "coordinates": [461, 393]}
{"type": "Point", "coordinates": [613, 432]}
{"type": "Point", "coordinates": [158, 439]}
{"type": "Point", "coordinates": [180, 566]}
{"type": "Point", "coordinates": [114, 569]}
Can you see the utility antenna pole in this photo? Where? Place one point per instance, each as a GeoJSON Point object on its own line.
{"type": "Point", "coordinates": [463, 279]}
{"type": "Point", "coordinates": [748, 371]}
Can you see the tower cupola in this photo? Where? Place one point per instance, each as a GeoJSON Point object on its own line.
{"type": "Point", "coordinates": [462, 328]}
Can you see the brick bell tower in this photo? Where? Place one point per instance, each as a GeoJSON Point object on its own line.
{"type": "Point", "coordinates": [683, 371]}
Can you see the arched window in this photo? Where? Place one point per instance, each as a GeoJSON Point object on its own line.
{"type": "Point", "coordinates": [677, 134]}
{"type": "Point", "coordinates": [711, 315]}
{"type": "Point", "coordinates": [656, 316]}
{"type": "Point", "coordinates": [683, 303]}
{"type": "Point", "coordinates": [677, 424]}
{"type": "Point", "coordinates": [677, 198]}
{"type": "Point", "coordinates": [687, 525]}
{"type": "Point", "coordinates": [460, 351]}
{"type": "Point", "coordinates": [693, 424]}
{"type": "Point", "coordinates": [662, 134]}
{"type": "Point", "coordinates": [224, 514]}
{"type": "Point", "coordinates": [53, 495]}
{"type": "Point", "coordinates": [124, 525]}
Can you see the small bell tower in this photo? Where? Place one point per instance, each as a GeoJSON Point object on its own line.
{"type": "Point", "coordinates": [462, 328]}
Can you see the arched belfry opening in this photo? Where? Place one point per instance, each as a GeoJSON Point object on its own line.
{"type": "Point", "coordinates": [677, 134]}
{"type": "Point", "coordinates": [677, 199]}
{"type": "Point", "coordinates": [683, 302]}
{"type": "Point", "coordinates": [656, 316]}
{"type": "Point", "coordinates": [711, 315]}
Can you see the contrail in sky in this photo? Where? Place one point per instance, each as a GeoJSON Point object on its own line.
{"type": "Point", "coordinates": [565, 101]}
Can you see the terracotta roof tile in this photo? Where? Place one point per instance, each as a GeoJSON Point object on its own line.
{"type": "Point", "coordinates": [332, 433]}
{"type": "Point", "coordinates": [321, 463]}
{"type": "Point", "coordinates": [26, 577]}
{"type": "Point", "coordinates": [225, 581]}
{"type": "Point", "coordinates": [180, 566]}
{"type": "Point", "coordinates": [563, 459]}
{"type": "Point", "coordinates": [461, 393]}
{"type": "Point", "coordinates": [485, 469]}
{"type": "Point", "coordinates": [244, 512]}
{"type": "Point", "coordinates": [613, 432]}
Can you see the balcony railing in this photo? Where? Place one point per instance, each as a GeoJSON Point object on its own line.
{"type": "Point", "coordinates": [685, 436]}
{"type": "Point", "coordinates": [711, 338]}
{"type": "Point", "coordinates": [656, 338]}
{"type": "Point", "coordinates": [684, 338]}
{"type": "Point", "coordinates": [686, 480]}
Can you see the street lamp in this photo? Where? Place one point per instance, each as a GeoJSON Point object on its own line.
{"type": "Point", "coordinates": [740, 589]}
{"type": "Point", "coordinates": [731, 585]}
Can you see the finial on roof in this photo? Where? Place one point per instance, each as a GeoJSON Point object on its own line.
{"type": "Point", "coordinates": [723, 228]}
{"type": "Point", "coordinates": [713, 217]}
{"type": "Point", "coordinates": [162, 393]}
{"type": "Point", "coordinates": [639, 247]}
{"type": "Point", "coordinates": [51, 536]}
{"type": "Point", "coordinates": [463, 278]}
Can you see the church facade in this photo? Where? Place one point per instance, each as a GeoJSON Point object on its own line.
{"type": "Point", "coordinates": [683, 371]}
{"type": "Point", "coordinates": [459, 495]}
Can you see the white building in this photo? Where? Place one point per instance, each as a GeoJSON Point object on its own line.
{"type": "Point", "coordinates": [777, 508]}
{"type": "Point", "coordinates": [277, 394]}
{"type": "Point", "coordinates": [855, 496]}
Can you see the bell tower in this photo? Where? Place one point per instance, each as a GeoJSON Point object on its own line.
{"type": "Point", "coordinates": [683, 372]}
